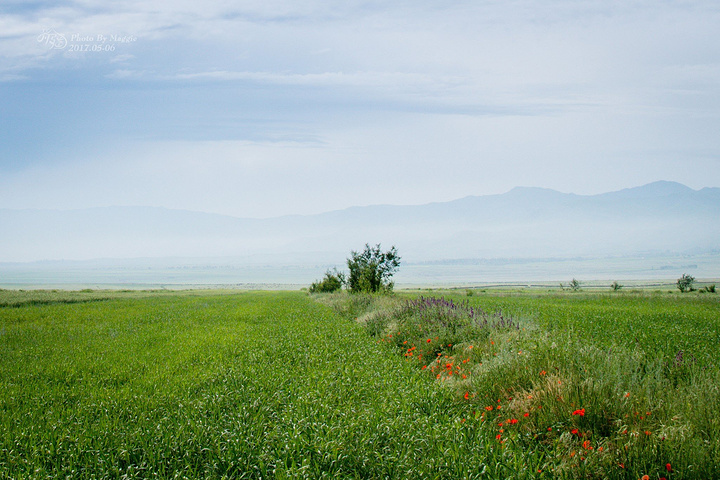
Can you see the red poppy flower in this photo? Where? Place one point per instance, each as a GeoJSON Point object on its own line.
{"type": "Point", "coordinates": [668, 467]}
{"type": "Point", "coordinates": [580, 412]}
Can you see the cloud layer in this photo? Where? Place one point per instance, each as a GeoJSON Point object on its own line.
{"type": "Point", "coordinates": [271, 108]}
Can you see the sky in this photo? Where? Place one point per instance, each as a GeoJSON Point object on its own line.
{"type": "Point", "coordinates": [266, 108]}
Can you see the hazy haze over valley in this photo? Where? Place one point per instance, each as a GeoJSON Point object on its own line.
{"type": "Point", "coordinates": [282, 133]}
{"type": "Point", "coordinates": [525, 222]}
{"type": "Point", "coordinates": [525, 225]}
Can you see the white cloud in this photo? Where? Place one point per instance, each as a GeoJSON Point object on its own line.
{"type": "Point", "coordinates": [9, 77]}
{"type": "Point", "coordinates": [125, 74]}
{"type": "Point", "coordinates": [122, 58]}
{"type": "Point", "coordinates": [364, 79]}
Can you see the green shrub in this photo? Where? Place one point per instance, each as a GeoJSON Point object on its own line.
{"type": "Point", "coordinates": [332, 282]}
{"type": "Point", "coordinates": [372, 269]}
{"type": "Point", "coordinates": [685, 283]}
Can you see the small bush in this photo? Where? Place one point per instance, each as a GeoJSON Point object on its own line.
{"type": "Point", "coordinates": [575, 285]}
{"type": "Point", "coordinates": [616, 286]}
{"type": "Point", "coordinates": [685, 283]}
{"type": "Point", "coordinates": [332, 282]}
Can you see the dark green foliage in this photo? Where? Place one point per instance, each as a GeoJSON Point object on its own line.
{"type": "Point", "coordinates": [332, 282]}
{"type": "Point", "coordinates": [575, 285]}
{"type": "Point", "coordinates": [372, 269]}
{"type": "Point", "coordinates": [615, 286]}
{"type": "Point", "coordinates": [708, 289]}
{"type": "Point", "coordinates": [685, 283]}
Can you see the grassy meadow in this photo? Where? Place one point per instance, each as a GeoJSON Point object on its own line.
{"type": "Point", "coordinates": [227, 384]}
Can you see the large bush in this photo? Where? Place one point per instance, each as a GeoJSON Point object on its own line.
{"type": "Point", "coordinates": [372, 269]}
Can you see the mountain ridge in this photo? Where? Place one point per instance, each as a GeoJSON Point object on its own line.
{"type": "Point", "coordinates": [675, 188]}
{"type": "Point", "coordinates": [525, 221]}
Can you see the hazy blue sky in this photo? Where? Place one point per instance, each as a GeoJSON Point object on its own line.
{"type": "Point", "coordinates": [267, 107]}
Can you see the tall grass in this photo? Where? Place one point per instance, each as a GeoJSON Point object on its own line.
{"type": "Point", "coordinates": [567, 381]}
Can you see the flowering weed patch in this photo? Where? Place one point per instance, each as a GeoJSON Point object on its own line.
{"type": "Point", "coordinates": [594, 404]}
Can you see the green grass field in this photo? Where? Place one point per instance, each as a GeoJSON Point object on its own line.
{"type": "Point", "coordinates": [284, 385]}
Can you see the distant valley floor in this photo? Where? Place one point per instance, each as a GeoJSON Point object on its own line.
{"type": "Point", "coordinates": [651, 271]}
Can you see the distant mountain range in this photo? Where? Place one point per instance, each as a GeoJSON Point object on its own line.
{"type": "Point", "coordinates": [525, 222]}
